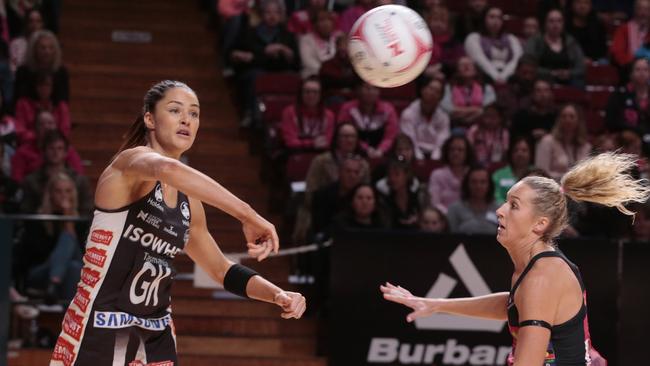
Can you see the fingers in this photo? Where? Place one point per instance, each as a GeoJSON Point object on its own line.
{"type": "Point", "coordinates": [398, 299]}
{"type": "Point", "coordinates": [259, 250]}
{"type": "Point", "coordinates": [275, 241]}
{"type": "Point", "coordinates": [296, 307]}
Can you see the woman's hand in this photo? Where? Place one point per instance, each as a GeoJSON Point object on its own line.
{"type": "Point", "coordinates": [293, 304]}
{"type": "Point", "coordinates": [261, 237]}
{"type": "Point", "coordinates": [422, 307]}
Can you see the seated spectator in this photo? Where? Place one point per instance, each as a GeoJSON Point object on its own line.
{"type": "Point", "coordinates": [55, 147]}
{"type": "Point", "coordinates": [432, 220]}
{"type": "Point", "coordinates": [267, 47]}
{"type": "Point", "coordinates": [566, 145]}
{"type": "Point", "coordinates": [425, 122]}
{"type": "Point", "coordinates": [489, 137]}
{"type": "Point", "coordinates": [558, 54]}
{"type": "Point", "coordinates": [10, 192]}
{"type": "Point", "coordinates": [352, 13]}
{"type": "Point", "coordinates": [538, 119]}
{"type": "Point", "coordinates": [375, 119]}
{"type": "Point", "coordinates": [465, 96]}
{"type": "Point", "coordinates": [29, 156]}
{"type": "Point", "coordinates": [33, 22]}
{"type": "Point", "coordinates": [7, 135]}
{"type": "Point", "coordinates": [444, 182]}
{"type": "Point", "coordinates": [403, 150]}
{"type": "Point", "coordinates": [447, 48]}
{"type": "Point", "coordinates": [629, 107]}
{"type": "Point", "coordinates": [330, 200]}
{"type": "Point", "coordinates": [475, 212]}
{"type": "Point", "coordinates": [629, 37]}
{"type": "Point", "coordinates": [363, 212]}
{"type": "Point", "coordinates": [43, 56]}
{"type": "Point", "coordinates": [337, 74]}
{"type": "Point", "coordinates": [530, 29]}
{"type": "Point", "coordinates": [515, 95]}
{"type": "Point", "coordinates": [495, 52]}
{"type": "Point", "coordinates": [401, 191]}
{"type": "Point", "coordinates": [301, 21]}
{"type": "Point", "coordinates": [471, 20]}
{"type": "Point", "coordinates": [583, 24]}
{"type": "Point", "coordinates": [51, 259]}
{"type": "Point", "coordinates": [520, 162]}
{"type": "Point", "coordinates": [319, 45]}
{"type": "Point", "coordinates": [27, 107]}
{"type": "Point", "coordinates": [307, 125]}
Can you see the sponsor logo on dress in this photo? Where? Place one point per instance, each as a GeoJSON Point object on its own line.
{"type": "Point", "coordinates": [185, 210]}
{"type": "Point", "coordinates": [158, 194]}
{"type": "Point", "coordinates": [156, 204]}
{"type": "Point", "coordinates": [170, 230]}
{"type": "Point", "coordinates": [82, 299]}
{"type": "Point", "coordinates": [150, 219]}
{"type": "Point", "coordinates": [95, 256]}
{"type": "Point", "coordinates": [64, 352]}
{"type": "Point", "coordinates": [73, 324]}
{"type": "Point", "coordinates": [101, 236]}
{"type": "Point", "coordinates": [118, 319]}
{"type": "Point", "coordinates": [149, 240]}
{"type": "Point", "coordinates": [90, 277]}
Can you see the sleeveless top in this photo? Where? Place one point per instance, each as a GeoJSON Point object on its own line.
{"type": "Point", "coordinates": [570, 342]}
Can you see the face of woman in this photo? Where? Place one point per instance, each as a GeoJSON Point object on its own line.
{"type": "Point", "coordinates": [491, 119]}
{"type": "Point", "coordinates": [175, 120]}
{"type": "Point", "coordinates": [640, 72]}
{"type": "Point", "coordinates": [479, 184]}
{"type": "Point", "coordinates": [324, 24]}
{"type": "Point", "coordinates": [531, 27]}
{"type": "Point", "coordinates": [272, 15]}
{"type": "Point", "coordinates": [369, 94]}
{"type": "Point", "coordinates": [405, 150]}
{"type": "Point", "coordinates": [347, 139]}
{"type": "Point", "coordinates": [45, 51]}
{"type": "Point", "coordinates": [431, 94]}
{"type": "Point", "coordinates": [311, 94]}
{"type": "Point", "coordinates": [568, 120]}
{"type": "Point", "coordinates": [521, 155]}
{"type": "Point", "coordinates": [457, 152]}
{"type": "Point", "coordinates": [34, 22]}
{"type": "Point", "coordinates": [431, 222]}
{"type": "Point", "coordinates": [62, 194]}
{"type": "Point", "coordinates": [317, 4]}
{"type": "Point", "coordinates": [55, 153]}
{"type": "Point", "coordinates": [581, 8]}
{"type": "Point", "coordinates": [517, 216]}
{"type": "Point", "coordinates": [466, 68]}
{"type": "Point", "coordinates": [554, 23]}
{"type": "Point", "coordinates": [494, 21]}
{"type": "Point", "coordinates": [363, 202]}
{"type": "Point", "coordinates": [397, 178]}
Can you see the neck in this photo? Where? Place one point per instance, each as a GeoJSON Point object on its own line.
{"type": "Point", "coordinates": [521, 255]}
{"type": "Point", "coordinates": [458, 170]}
{"type": "Point", "coordinates": [366, 108]}
{"type": "Point", "coordinates": [519, 171]}
{"type": "Point", "coordinates": [363, 219]}
{"type": "Point", "coordinates": [641, 88]}
{"type": "Point", "coordinates": [54, 168]}
{"type": "Point", "coordinates": [477, 203]}
{"type": "Point", "coordinates": [579, 20]}
{"type": "Point", "coordinates": [427, 109]}
{"type": "Point", "coordinates": [552, 37]}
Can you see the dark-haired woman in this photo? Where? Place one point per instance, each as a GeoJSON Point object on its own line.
{"type": "Point", "coordinates": [149, 208]}
{"type": "Point", "coordinates": [474, 213]}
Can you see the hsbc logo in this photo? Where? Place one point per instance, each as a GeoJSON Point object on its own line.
{"type": "Point", "coordinates": [443, 287]}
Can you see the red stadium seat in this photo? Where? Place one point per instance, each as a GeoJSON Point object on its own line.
{"type": "Point", "coordinates": [404, 92]}
{"type": "Point", "coordinates": [423, 169]}
{"type": "Point", "coordinates": [598, 99]}
{"type": "Point", "coordinates": [273, 105]}
{"type": "Point", "coordinates": [400, 105]}
{"type": "Point", "coordinates": [298, 165]}
{"type": "Point", "coordinates": [277, 83]}
{"type": "Point", "coordinates": [568, 94]}
{"type": "Point", "coordinates": [514, 25]}
{"type": "Point", "coordinates": [595, 122]}
{"type": "Point", "coordinates": [604, 75]}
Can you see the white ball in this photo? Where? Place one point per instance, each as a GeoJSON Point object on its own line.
{"type": "Point", "coordinates": [389, 46]}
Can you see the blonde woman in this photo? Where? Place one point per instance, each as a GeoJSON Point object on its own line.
{"type": "Point", "coordinates": [546, 307]}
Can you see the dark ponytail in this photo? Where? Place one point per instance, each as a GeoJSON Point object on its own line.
{"type": "Point", "coordinates": [137, 133]}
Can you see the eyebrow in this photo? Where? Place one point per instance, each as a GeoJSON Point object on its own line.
{"type": "Point", "coordinates": [177, 102]}
{"type": "Point", "coordinates": [513, 197]}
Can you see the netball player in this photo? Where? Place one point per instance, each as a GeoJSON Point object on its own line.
{"type": "Point", "coordinates": [546, 307]}
{"type": "Point", "coordinates": [149, 207]}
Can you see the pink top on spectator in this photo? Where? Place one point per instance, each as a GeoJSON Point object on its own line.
{"type": "Point", "coordinates": [28, 158]}
{"type": "Point", "coordinates": [26, 110]}
{"type": "Point", "coordinates": [301, 134]}
{"type": "Point", "coordinates": [444, 188]}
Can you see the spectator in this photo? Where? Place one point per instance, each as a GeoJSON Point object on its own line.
{"type": "Point", "coordinates": [475, 213]}
{"type": "Point", "coordinates": [27, 107]}
{"type": "Point", "coordinates": [43, 56]}
{"type": "Point", "coordinates": [583, 24]}
{"type": "Point", "coordinates": [495, 52]}
{"type": "Point", "coordinates": [55, 147]}
{"type": "Point", "coordinates": [444, 182]}
{"type": "Point", "coordinates": [268, 47]}
{"type": "Point", "coordinates": [520, 160]}
{"type": "Point", "coordinates": [403, 150]}
{"type": "Point", "coordinates": [432, 220]}
{"type": "Point", "coordinates": [7, 135]}
{"type": "Point", "coordinates": [400, 190]}
{"type": "Point", "coordinates": [516, 93]}
{"type": "Point", "coordinates": [425, 122]}
{"type": "Point", "coordinates": [53, 261]}
{"type": "Point", "coordinates": [489, 137]}
{"type": "Point", "coordinates": [530, 29]}
{"type": "Point", "coordinates": [337, 75]}
{"type": "Point", "coordinates": [18, 46]}
{"type": "Point", "coordinates": [558, 54]}
{"type": "Point", "coordinates": [364, 211]}
{"type": "Point", "coordinates": [301, 21]}
{"type": "Point", "coordinates": [10, 192]}
{"type": "Point", "coordinates": [472, 19]}
{"type": "Point", "coordinates": [538, 119]}
{"type": "Point", "coordinates": [351, 14]}
{"type": "Point", "coordinates": [375, 119]}
{"type": "Point", "coordinates": [29, 156]}
{"type": "Point", "coordinates": [629, 107]}
{"type": "Point", "coordinates": [566, 145]}
{"type": "Point", "coordinates": [332, 199]}
{"type": "Point", "coordinates": [447, 48]}
{"type": "Point", "coordinates": [629, 37]}
{"type": "Point", "coordinates": [307, 125]}
{"type": "Point", "coordinates": [466, 95]}
{"type": "Point", "coordinates": [318, 45]}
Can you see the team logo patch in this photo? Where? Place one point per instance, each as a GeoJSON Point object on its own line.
{"type": "Point", "coordinates": [185, 210]}
{"type": "Point", "coordinates": [101, 236]}
{"type": "Point", "coordinates": [82, 299]}
{"type": "Point", "coordinates": [64, 352]}
{"type": "Point", "coordinates": [158, 194]}
{"type": "Point", "coordinates": [73, 324]}
{"type": "Point", "coordinates": [90, 277]}
{"type": "Point", "coordinates": [95, 256]}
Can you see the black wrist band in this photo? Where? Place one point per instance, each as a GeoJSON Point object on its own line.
{"type": "Point", "coordinates": [237, 278]}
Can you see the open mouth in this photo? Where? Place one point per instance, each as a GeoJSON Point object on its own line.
{"type": "Point", "coordinates": [183, 133]}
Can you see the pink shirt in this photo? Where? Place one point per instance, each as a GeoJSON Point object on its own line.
{"type": "Point", "coordinates": [444, 188]}
{"type": "Point", "coordinates": [301, 134]}
{"type": "Point", "coordinates": [28, 158]}
{"type": "Point", "coordinates": [26, 110]}
{"type": "Point", "coordinates": [383, 116]}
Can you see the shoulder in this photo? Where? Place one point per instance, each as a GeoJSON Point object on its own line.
{"type": "Point", "coordinates": [547, 140]}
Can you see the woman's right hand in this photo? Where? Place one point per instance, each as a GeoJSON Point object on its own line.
{"type": "Point", "coordinates": [261, 237]}
{"type": "Point", "coordinates": [421, 307]}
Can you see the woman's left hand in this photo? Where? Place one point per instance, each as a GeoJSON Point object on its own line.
{"type": "Point", "coordinates": [293, 304]}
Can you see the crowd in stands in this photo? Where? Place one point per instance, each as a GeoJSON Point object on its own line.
{"type": "Point", "coordinates": [41, 172]}
{"type": "Point", "coordinates": [513, 88]}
